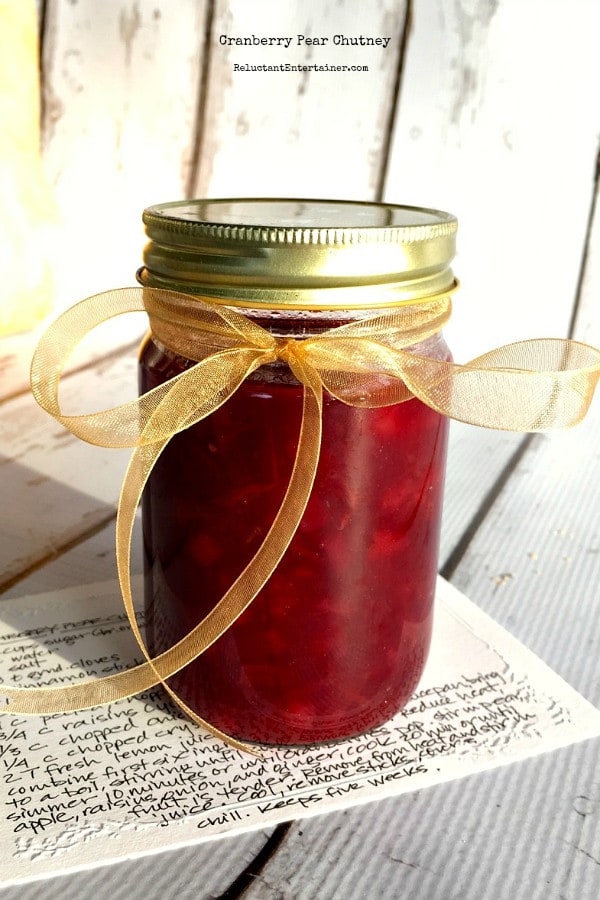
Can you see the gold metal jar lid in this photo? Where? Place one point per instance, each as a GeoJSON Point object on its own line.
{"type": "Point", "coordinates": [305, 254]}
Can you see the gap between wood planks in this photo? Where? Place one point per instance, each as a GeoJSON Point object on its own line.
{"type": "Point", "coordinates": [42, 19]}
{"type": "Point", "coordinates": [246, 878]}
{"type": "Point", "coordinates": [200, 123]}
{"type": "Point", "coordinates": [10, 582]}
{"type": "Point", "coordinates": [452, 561]}
{"type": "Point", "coordinates": [394, 102]}
{"type": "Point", "coordinates": [586, 247]}
{"type": "Point", "coordinates": [131, 346]}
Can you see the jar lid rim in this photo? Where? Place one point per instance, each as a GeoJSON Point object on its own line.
{"type": "Point", "coordinates": [280, 220]}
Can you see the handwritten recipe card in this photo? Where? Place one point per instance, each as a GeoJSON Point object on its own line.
{"type": "Point", "coordinates": [135, 777]}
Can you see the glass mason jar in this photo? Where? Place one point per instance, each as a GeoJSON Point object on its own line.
{"type": "Point", "coordinates": [336, 641]}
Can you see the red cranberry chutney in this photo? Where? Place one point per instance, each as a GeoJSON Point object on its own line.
{"type": "Point", "coordinates": [336, 641]}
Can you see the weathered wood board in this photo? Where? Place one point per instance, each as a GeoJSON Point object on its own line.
{"type": "Point", "coordinates": [121, 82]}
{"type": "Point", "coordinates": [498, 122]}
{"type": "Point", "coordinates": [57, 487]}
{"type": "Point", "coordinates": [299, 133]}
{"type": "Point", "coordinates": [587, 314]}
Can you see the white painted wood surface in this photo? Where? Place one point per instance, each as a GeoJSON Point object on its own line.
{"type": "Point", "coordinates": [192, 872]}
{"type": "Point", "coordinates": [498, 121]}
{"type": "Point", "coordinates": [14, 363]}
{"type": "Point", "coordinates": [488, 110]}
{"type": "Point", "coordinates": [121, 81]}
{"type": "Point", "coordinates": [110, 338]}
{"type": "Point", "coordinates": [307, 134]}
{"type": "Point", "coordinates": [70, 487]}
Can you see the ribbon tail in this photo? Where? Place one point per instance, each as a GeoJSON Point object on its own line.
{"type": "Point", "coordinates": [194, 398]}
{"type": "Point", "coordinates": [141, 464]}
{"type": "Point", "coordinates": [84, 695]}
{"type": "Point", "coordinates": [529, 386]}
{"type": "Point", "coordinates": [254, 576]}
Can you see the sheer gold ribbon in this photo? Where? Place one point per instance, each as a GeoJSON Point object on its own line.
{"type": "Point", "coordinates": [533, 385]}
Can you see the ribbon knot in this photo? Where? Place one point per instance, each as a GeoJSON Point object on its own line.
{"type": "Point", "coordinates": [529, 386]}
{"type": "Point", "coordinates": [287, 349]}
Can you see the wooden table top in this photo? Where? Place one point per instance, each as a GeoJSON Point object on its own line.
{"type": "Point", "coordinates": [521, 537]}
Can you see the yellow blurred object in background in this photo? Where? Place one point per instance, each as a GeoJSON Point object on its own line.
{"type": "Point", "coordinates": [26, 206]}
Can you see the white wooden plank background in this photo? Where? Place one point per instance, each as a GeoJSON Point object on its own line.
{"type": "Point", "coordinates": [142, 105]}
{"type": "Point", "coordinates": [307, 134]}
{"type": "Point", "coordinates": [14, 363]}
{"type": "Point", "coordinates": [121, 81]}
{"type": "Point", "coordinates": [56, 486]}
{"type": "Point", "coordinates": [16, 350]}
{"type": "Point", "coordinates": [498, 121]}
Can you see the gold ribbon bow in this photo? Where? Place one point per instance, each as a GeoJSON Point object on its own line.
{"type": "Point", "coordinates": [533, 385]}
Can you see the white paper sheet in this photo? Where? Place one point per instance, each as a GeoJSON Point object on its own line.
{"type": "Point", "coordinates": [133, 778]}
